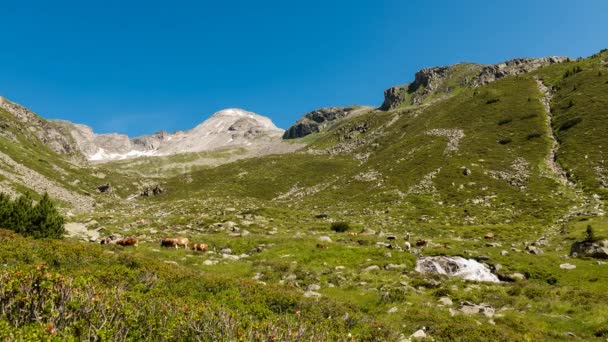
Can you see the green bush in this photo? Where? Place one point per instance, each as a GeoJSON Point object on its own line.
{"type": "Point", "coordinates": [340, 227]}
{"type": "Point", "coordinates": [39, 221]}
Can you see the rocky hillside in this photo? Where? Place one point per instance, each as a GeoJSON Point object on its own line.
{"type": "Point", "coordinates": [318, 120]}
{"type": "Point", "coordinates": [47, 132]}
{"type": "Point", "coordinates": [438, 82]}
{"type": "Point", "coordinates": [230, 128]}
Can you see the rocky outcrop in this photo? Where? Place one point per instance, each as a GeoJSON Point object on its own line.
{"type": "Point", "coordinates": [46, 131]}
{"type": "Point", "coordinates": [443, 79]}
{"type": "Point", "coordinates": [394, 96]}
{"type": "Point", "coordinates": [589, 249]}
{"type": "Point", "coordinates": [517, 66]}
{"type": "Point", "coordinates": [317, 120]}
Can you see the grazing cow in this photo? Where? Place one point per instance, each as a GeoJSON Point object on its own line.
{"type": "Point", "coordinates": [322, 246]}
{"type": "Point", "coordinates": [129, 241]}
{"type": "Point", "coordinates": [174, 243]}
{"type": "Point", "coordinates": [201, 247]}
{"type": "Point", "coordinates": [421, 243]}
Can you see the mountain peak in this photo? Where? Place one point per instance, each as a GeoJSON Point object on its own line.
{"type": "Point", "coordinates": [234, 112]}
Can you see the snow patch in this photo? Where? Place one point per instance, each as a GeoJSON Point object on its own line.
{"type": "Point", "coordinates": [101, 154]}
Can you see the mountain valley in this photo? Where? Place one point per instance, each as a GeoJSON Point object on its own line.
{"type": "Point", "coordinates": [457, 210]}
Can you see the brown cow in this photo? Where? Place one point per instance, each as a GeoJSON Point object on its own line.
{"type": "Point", "coordinates": [174, 243]}
{"type": "Point", "coordinates": [201, 247]}
{"type": "Point", "coordinates": [128, 241]}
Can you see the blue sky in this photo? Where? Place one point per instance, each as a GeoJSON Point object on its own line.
{"type": "Point", "coordinates": [136, 67]}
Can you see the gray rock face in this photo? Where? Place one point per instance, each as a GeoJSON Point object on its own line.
{"type": "Point", "coordinates": [316, 120]}
{"type": "Point", "coordinates": [517, 66]}
{"type": "Point", "coordinates": [598, 250]}
{"type": "Point", "coordinates": [431, 81]}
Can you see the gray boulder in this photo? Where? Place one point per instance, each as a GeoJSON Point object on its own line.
{"type": "Point", "coordinates": [598, 250]}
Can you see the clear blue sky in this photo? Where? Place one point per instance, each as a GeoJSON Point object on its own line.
{"type": "Point", "coordinates": [140, 66]}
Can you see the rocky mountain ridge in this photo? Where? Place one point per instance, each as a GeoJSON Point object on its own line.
{"type": "Point", "coordinates": [433, 81]}
{"type": "Point", "coordinates": [225, 129]}
{"type": "Point", "coordinates": [317, 120]}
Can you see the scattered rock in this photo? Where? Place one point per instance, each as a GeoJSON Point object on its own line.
{"type": "Point", "coordinates": [392, 267]}
{"type": "Point", "coordinates": [371, 268]}
{"type": "Point", "coordinates": [567, 266]}
{"type": "Point", "coordinates": [312, 294]}
{"type": "Point", "coordinates": [469, 308]}
{"type": "Point", "coordinates": [313, 287]}
{"type": "Point", "coordinates": [418, 335]}
{"type": "Point", "coordinates": [466, 171]}
{"type": "Point", "coordinates": [445, 301]}
{"type": "Point", "coordinates": [489, 236]}
{"type": "Point", "coordinates": [392, 310]}
{"type": "Point", "coordinates": [534, 250]}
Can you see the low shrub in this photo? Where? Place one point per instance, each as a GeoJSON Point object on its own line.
{"type": "Point", "coordinates": [340, 227]}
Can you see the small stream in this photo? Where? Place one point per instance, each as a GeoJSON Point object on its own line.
{"type": "Point", "coordinates": [468, 269]}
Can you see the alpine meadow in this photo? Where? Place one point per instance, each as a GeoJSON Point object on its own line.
{"type": "Point", "coordinates": [468, 206]}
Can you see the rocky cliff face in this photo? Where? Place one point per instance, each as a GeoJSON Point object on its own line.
{"type": "Point", "coordinates": [431, 81]}
{"type": "Point", "coordinates": [226, 128]}
{"type": "Point", "coordinates": [317, 120]}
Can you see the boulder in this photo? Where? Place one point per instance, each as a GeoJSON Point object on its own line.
{"type": "Point", "coordinates": [534, 250]}
{"type": "Point", "coordinates": [469, 309]}
{"type": "Point", "coordinates": [371, 268]}
{"type": "Point", "coordinates": [567, 266]}
{"type": "Point", "coordinates": [324, 238]}
{"type": "Point", "coordinates": [418, 335]}
{"type": "Point", "coordinates": [598, 250]}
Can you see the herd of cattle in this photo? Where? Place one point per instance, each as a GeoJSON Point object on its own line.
{"type": "Point", "coordinates": [167, 242]}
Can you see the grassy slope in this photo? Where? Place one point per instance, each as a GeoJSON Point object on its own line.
{"type": "Point", "coordinates": [31, 153]}
{"type": "Point", "coordinates": [582, 146]}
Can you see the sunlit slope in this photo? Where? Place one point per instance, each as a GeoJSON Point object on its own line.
{"type": "Point", "coordinates": [476, 157]}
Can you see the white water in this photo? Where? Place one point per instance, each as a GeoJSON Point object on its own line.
{"type": "Point", "coordinates": [456, 267]}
